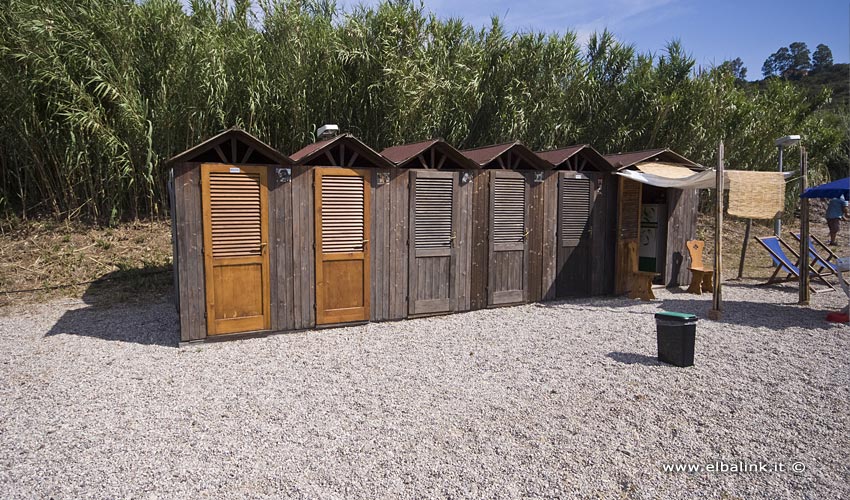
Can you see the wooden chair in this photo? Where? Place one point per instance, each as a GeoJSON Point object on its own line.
{"type": "Point", "coordinates": [702, 279]}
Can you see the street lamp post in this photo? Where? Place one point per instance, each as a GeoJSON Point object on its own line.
{"type": "Point", "coordinates": [788, 140]}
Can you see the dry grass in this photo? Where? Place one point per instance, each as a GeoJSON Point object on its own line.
{"type": "Point", "coordinates": [134, 259]}
{"type": "Point", "coordinates": [45, 259]}
{"type": "Point", "coordinates": [758, 263]}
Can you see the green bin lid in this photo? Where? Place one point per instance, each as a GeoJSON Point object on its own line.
{"type": "Point", "coordinates": [675, 315]}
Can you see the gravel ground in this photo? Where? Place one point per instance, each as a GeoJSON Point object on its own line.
{"type": "Point", "coordinates": [561, 399]}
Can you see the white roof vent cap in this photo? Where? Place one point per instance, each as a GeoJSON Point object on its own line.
{"type": "Point", "coordinates": [326, 131]}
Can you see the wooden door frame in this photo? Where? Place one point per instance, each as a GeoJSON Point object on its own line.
{"type": "Point", "coordinates": [366, 175]}
{"type": "Point", "coordinates": [622, 253]}
{"type": "Point", "coordinates": [206, 208]}
{"type": "Point", "coordinates": [493, 174]}
{"type": "Point", "coordinates": [412, 271]}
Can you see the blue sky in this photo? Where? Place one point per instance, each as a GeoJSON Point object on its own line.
{"type": "Point", "coordinates": [711, 31]}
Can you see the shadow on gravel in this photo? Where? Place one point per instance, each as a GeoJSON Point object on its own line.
{"type": "Point", "coordinates": [155, 324]}
{"type": "Point", "coordinates": [738, 312]}
{"type": "Point", "coordinates": [128, 307]}
{"type": "Point", "coordinates": [631, 358]}
{"type": "Point", "coordinates": [755, 314]}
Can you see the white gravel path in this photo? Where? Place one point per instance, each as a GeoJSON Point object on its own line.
{"type": "Point", "coordinates": [544, 400]}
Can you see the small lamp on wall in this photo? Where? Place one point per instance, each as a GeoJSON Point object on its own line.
{"type": "Point", "coordinates": [465, 178]}
{"type": "Point", "coordinates": [284, 174]}
{"type": "Point", "coordinates": [538, 177]}
{"type": "Point", "coordinates": [383, 178]}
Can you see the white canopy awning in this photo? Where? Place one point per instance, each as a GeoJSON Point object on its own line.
{"type": "Point", "coordinates": [698, 180]}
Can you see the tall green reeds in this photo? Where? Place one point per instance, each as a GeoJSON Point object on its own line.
{"type": "Point", "coordinates": [97, 94]}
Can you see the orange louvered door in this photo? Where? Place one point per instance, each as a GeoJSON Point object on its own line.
{"type": "Point", "coordinates": [342, 245]}
{"type": "Point", "coordinates": [432, 238]}
{"type": "Point", "coordinates": [508, 276]}
{"type": "Point", "coordinates": [235, 206]}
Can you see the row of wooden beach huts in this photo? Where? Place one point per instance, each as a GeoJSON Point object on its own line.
{"type": "Point", "coordinates": [338, 233]}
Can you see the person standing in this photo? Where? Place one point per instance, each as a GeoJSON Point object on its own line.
{"type": "Point", "coordinates": [835, 213]}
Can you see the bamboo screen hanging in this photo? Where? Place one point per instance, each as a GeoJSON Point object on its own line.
{"type": "Point", "coordinates": [755, 195]}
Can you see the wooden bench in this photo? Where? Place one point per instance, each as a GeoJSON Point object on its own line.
{"type": "Point", "coordinates": [642, 285]}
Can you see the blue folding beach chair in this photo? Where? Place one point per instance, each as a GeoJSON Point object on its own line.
{"type": "Point", "coordinates": [774, 245]}
{"type": "Point", "coordinates": [817, 260]}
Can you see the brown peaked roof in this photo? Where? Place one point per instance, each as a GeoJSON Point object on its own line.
{"type": "Point", "coordinates": [624, 160]}
{"type": "Point", "coordinates": [423, 154]}
{"type": "Point", "coordinates": [344, 150]}
{"type": "Point", "coordinates": [557, 157]}
{"type": "Point", "coordinates": [490, 156]}
{"type": "Point", "coordinates": [224, 143]}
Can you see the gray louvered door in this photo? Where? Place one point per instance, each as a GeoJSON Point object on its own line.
{"type": "Point", "coordinates": [575, 204]}
{"type": "Point", "coordinates": [433, 216]}
{"type": "Point", "coordinates": [508, 277]}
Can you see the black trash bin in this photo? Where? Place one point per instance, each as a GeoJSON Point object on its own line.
{"type": "Point", "coordinates": [676, 333]}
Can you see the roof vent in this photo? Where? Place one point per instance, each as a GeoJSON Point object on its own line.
{"type": "Point", "coordinates": [327, 131]}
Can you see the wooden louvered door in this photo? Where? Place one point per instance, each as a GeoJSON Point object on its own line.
{"type": "Point", "coordinates": [575, 202]}
{"type": "Point", "coordinates": [507, 281]}
{"type": "Point", "coordinates": [342, 245]}
{"type": "Point", "coordinates": [628, 231]}
{"type": "Point", "coordinates": [236, 258]}
{"type": "Point", "coordinates": [433, 215]}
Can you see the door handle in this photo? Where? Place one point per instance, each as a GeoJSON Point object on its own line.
{"type": "Point", "coordinates": [524, 236]}
{"type": "Point", "coordinates": [364, 242]}
{"type": "Point", "coordinates": [263, 247]}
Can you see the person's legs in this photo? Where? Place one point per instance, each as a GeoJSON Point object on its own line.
{"type": "Point", "coordinates": [833, 230]}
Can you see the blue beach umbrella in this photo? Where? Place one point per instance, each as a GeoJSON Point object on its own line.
{"type": "Point", "coordinates": [832, 189]}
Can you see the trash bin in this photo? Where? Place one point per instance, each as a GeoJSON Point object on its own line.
{"type": "Point", "coordinates": [676, 333]}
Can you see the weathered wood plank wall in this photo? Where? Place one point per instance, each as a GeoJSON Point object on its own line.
{"type": "Point", "coordinates": [536, 215]}
{"type": "Point", "coordinates": [681, 227]}
{"type": "Point", "coordinates": [280, 254]}
{"type": "Point", "coordinates": [464, 241]}
{"type": "Point", "coordinates": [397, 263]}
{"type": "Point", "coordinates": [549, 255]}
{"type": "Point", "coordinates": [303, 254]}
{"type": "Point", "coordinates": [379, 247]}
{"type": "Point", "coordinates": [190, 238]}
{"type": "Point", "coordinates": [480, 240]}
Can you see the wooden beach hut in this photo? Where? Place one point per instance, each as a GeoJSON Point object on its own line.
{"type": "Point", "coordinates": [337, 213]}
{"type": "Point", "coordinates": [226, 192]}
{"type": "Point", "coordinates": [580, 207]}
{"type": "Point", "coordinates": [507, 224]}
{"type": "Point", "coordinates": [438, 222]}
{"type": "Point", "coordinates": [654, 223]}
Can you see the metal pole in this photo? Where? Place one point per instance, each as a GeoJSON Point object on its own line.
{"type": "Point", "coordinates": [716, 307]}
{"type": "Point", "coordinates": [777, 223]}
{"type": "Point", "coordinates": [804, 229]}
{"type": "Point", "coordinates": [744, 248]}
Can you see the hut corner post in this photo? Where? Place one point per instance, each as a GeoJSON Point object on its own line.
{"type": "Point", "coordinates": [716, 307]}
{"type": "Point", "coordinates": [804, 229]}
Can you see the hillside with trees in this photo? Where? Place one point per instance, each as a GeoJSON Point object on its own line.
{"type": "Point", "coordinates": [98, 94]}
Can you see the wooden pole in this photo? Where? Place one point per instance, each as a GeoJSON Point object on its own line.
{"type": "Point", "coordinates": [804, 229]}
{"type": "Point", "coordinates": [744, 248]}
{"type": "Point", "coordinates": [716, 307]}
